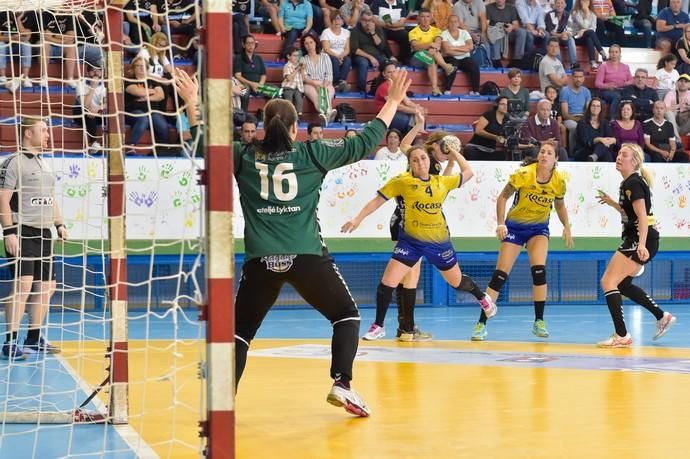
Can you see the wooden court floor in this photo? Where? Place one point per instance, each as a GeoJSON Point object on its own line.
{"type": "Point", "coordinates": [444, 399]}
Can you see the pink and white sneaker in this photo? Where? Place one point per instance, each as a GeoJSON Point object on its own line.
{"type": "Point", "coordinates": [616, 341]}
{"type": "Point", "coordinates": [488, 306]}
{"type": "Point", "coordinates": [375, 332]}
{"type": "Point", "coordinates": [348, 399]}
{"type": "Point", "coordinates": [663, 324]}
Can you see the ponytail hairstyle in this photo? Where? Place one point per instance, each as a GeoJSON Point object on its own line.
{"type": "Point", "coordinates": [408, 154]}
{"type": "Point", "coordinates": [638, 159]}
{"type": "Point", "coordinates": [279, 117]}
{"type": "Point", "coordinates": [665, 60]}
{"type": "Point", "coordinates": [434, 138]}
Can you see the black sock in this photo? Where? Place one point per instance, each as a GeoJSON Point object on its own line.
{"type": "Point", "coordinates": [482, 317]}
{"type": "Point", "coordinates": [343, 350]}
{"type": "Point", "coordinates": [615, 303]}
{"type": "Point", "coordinates": [384, 294]}
{"type": "Point", "coordinates": [640, 297]}
{"type": "Point", "coordinates": [468, 285]}
{"type": "Point", "coordinates": [400, 301]}
{"type": "Point", "coordinates": [10, 336]}
{"type": "Point", "coordinates": [539, 310]}
{"type": "Point", "coordinates": [409, 297]}
{"type": "Point", "coordinates": [33, 335]}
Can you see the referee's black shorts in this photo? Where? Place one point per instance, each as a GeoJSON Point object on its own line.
{"type": "Point", "coordinates": [35, 256]}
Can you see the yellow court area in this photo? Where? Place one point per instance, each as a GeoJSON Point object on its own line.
{"type": "Point", "coordinates": [421, 410]}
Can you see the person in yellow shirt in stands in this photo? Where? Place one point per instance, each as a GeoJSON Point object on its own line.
{"type": "Point", "coordinates": [424, 232]}
{"type": "Point", "coordinates": [425, 41]}
{"type": "Point", "coordinates": [539, 187]}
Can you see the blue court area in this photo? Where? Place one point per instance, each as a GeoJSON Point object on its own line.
{"type": "Point", "coordinates": [50, 384]}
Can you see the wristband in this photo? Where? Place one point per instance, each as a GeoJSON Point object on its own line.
{"type": "Point", "coordinates": [498, 226]}
{"type": "Point", "coordinates": [9, 230]}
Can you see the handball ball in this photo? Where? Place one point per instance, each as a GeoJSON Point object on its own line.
{"type": "Point", "coordinates": [450, 142]}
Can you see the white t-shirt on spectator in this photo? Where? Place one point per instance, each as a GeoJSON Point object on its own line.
{"type": "Point", "coordinates": [548, 66]}
{"type": "Point", "coordinates": [666, 80]}
{"type": "Point", "coordinates": [384, 154]}
{"type": "Point", "coordinates": [463, 36]}
{"type": "Point", "coordinates": [99, 95]}
{"type": "Point", "coordinates": [337, 42]}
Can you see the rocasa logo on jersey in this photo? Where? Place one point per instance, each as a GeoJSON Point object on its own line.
{"type": "Point", "coordinates": [542, 200]}
{"type": "Point", "coordinates": [430, 208]}
{"type": "Point", "coordinates": [42, 201]}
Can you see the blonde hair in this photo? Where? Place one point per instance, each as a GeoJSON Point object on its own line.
{"type": "Point", "coordinates": [638, 160]}
{"type": "Point", "coordinates": [153, 46]}
{"type": "Point", "coordinates": [134, 62]}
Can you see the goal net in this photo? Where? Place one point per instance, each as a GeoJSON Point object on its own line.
{"type": "Point", "coordinates": [129, 278]}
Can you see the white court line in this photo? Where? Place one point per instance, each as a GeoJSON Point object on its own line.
{"type": "Point", "coordinates": [128, 434]}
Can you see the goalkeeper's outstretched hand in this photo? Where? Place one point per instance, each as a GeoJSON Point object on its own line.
{"type": "Point", "coordinates": [188, 88]}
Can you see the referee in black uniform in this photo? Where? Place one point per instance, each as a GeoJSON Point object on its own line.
{"type": "Point", "coordinates": [28, 210]}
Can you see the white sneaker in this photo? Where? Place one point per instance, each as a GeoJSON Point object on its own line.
{"type": "Point", "coordinates": [375, 332]}
{"type": "Point", "coordinates": [348, 399]}
{"type": "Point", "coordinates": [324, 120]}
{"type": "Point", "coordinates": [616, 341]}
{"type": "Point", "coordinates": [44, 82]}
{"type": "Point", "coordinates": [332, 113]}
{"type": "Point", "coordinates": [27, 83]}
{"type": "Point", "coordinates": [488, 306]}
{"type": "Point", "coordinates": [3, 79]}
{"type": "Point", "coordinates": [663, 324]}
{"type": "Point", "coordinates": [12, 84]}
{"type": "Point", "coordinates": [72, 84]}
{"type": "Point", "coordinates": [95, 147]}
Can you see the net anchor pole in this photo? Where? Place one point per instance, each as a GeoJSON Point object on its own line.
{"type": "Point", "coordinates": [219, 426]}
{"type": "Point", "coordinates": [117, 274]}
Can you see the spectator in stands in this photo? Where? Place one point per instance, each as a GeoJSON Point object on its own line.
{"type": "Point", "coordinates": [457, 46]}
{"type": "Point", "coordinates": [426, 38]}
{"type": "Point", "coordinates": [625, 128]}
{"type": "Point", "coordinates": [352, 10]}
{"type": "Point", "coordinates": [605, 11]}
{"type": "Point", "coordinates": [269, 9]}
{"type": "Point", "coordinates": [369, 47]}
{"type": "Point", "coordinates": [532, 17]}
{"type": "Point", "coordinates": [249, 68]}
{"type": "Point", "coordinates": [319, 23]}
{"type": "Point", "coordinates": [551, 71]}
{"type": "Point", "coordinates": [14, 40]}
{"type": "Point", "coordinates": [58, 40]}
{"type": "Point", "coordinates": [678, 106]}
{"type": "Point", "coordinates": [666, 75]}
{"type": "Point", "coordinates": [293, 80]}
{"type": "Point", "coordinates": [90, 106]}
{"type": "Point", "coordinates": [611, 77]}
{"type": "Point", "coordinates": [489, 134]}
{"type": "Point", "coordinates": [183, 16]}
{"type": "Point", "coordinates": [392, 151]}
{"type": "Point", "coordinates": [240, 98]}
{"type": "Point", "coordinates": [504, 21]}
{"type": "Point", "coordinates": [318, 73]}
{"type": "Point", "coordinates": [472, 14]}
{"type": "Point", "coordinates": [682, 51]}
{"type": "Point", "coordinates": [642, 19]}
{"type": "Point", "coordinates": [156, 52]}
{"type": "Point", "coordinates": [248, 132]}
{"type": "Point", "coordinates": [574, 99]}
{"type": "Point", "coordinates": [336, 43]}
{"type": "Point", "coordinates": [440, 12]}
{"type": "Point", "coordinates": [142, 96]}
{"type": "Point", "coordinates": [539, 128]}
{"type": "Point", "coordinates": [391, 16]}
{"type": "Point", "coordinates": [641, 95]}
{"type": "Point", "coordinates": [514, 90]}
{"type": "Point", "coordinates": [143, 19]}
{"type": "Point", "coordinates": [670, 22]}
{"type": "Point", "coordinates": [595, 141]}
{"type": "Point", "coordinates": [583, 25]}
{"type": "Point", "coordinates": [660, 139]}
{"type": "Point", "coordinates": [329, 8]}
{"type": "Point", "coordinates": [89, 32]}
{"type": "Point", "coordinates": [404, 117]}
{"type": "Point", "coordinates": [315, 132]}
{"type": "Point", "coordinates": [295, 20]}
{"type": "Point", "coordinates": [551, 94]}
{"type": "Point", "coordinates": [240, 28]}
{"type": "Point", "coordinates": [556, 22]}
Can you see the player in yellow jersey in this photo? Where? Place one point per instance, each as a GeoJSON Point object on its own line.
{"type": "Point", "coordinates": [539, 187]}
{"type": "Point", "coordinates": [424, 231]}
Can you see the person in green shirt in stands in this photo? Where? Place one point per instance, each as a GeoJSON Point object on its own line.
{"type": "Point", "coordinates": [279, 182]}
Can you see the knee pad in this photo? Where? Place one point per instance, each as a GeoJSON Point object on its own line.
{"type": "Point", "coordinates": [497, 280]}
{"type": "Point", "coordinates": [538, 275]}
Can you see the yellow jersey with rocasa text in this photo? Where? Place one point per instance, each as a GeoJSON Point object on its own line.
{"type": "Point", "coordinates": [534, 200]}
{"type": "Point", "coordinates": [422, 202]}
